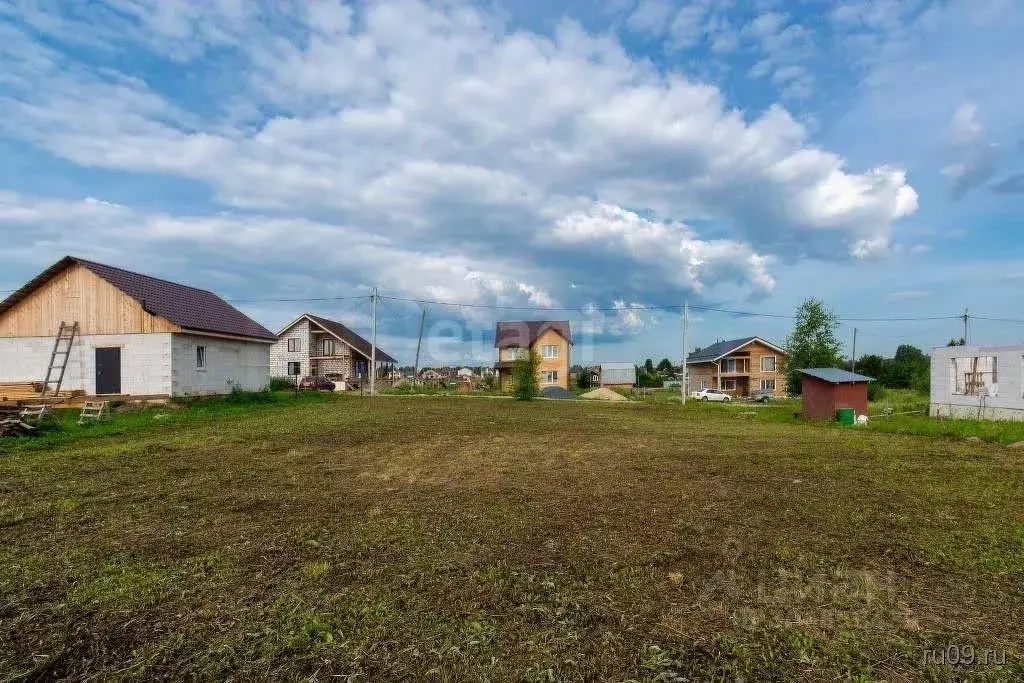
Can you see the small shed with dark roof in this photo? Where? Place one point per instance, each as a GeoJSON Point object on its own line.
{"type": "Point", "coordinates": [135, 334]}
{"type": "Point", "coordinates": [825, 390]}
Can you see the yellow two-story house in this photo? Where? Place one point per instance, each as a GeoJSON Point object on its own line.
{"type": "Point", "coordinates": [551, 340]}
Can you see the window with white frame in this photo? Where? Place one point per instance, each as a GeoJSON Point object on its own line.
{"type": "Point", "coordinates": [975, 376]}
{"type": "Point", "coordinates": [703, 383]}
{"type": "Point", "coordinates": [327, 347]}
{"type": "Point", "coordinates": [767, 363]}
{"type": "Point", "coordinates": [548, 376]}
{"type": "Point", "coordinates": [294, 344]}
{"type": "Point", "coordinates": [294, 369]}
{"type": "Point", "coordinates": [737, 365]}
{"type": "Point", "coordinates": [200, 357]}
{"type": "Point", "coordinates": [549, 351]}
{"type": "Point", "coordinates": [767, 385]}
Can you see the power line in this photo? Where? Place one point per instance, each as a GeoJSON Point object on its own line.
{"type": "Point", "coordinates": [656, 307]}
{"type": "Point", "coordinates": [298, 299]}
{"type": "Point", "coordinates": [388, 306]}
{"type": "Point", "coordinates": [996, 320]}
{"type": "Point", "coordinates": [617, 309]}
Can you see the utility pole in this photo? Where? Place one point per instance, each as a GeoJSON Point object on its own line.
{"type": "Point", "coordinates": [373, 342]}
{"type": "Point", "coordinates": [853, 365]}
{"type": "Point", "coordinates": [686, 375]}
{"type": "Point", "coordinates": [965, 317]}
{"type": "Point", "coordinates": [419, 342]}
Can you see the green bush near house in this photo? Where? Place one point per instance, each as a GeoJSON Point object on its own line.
{"type": "Point", "coordinates": [525, 384]}
{"type": "Point", "coordinates": [282, 383]}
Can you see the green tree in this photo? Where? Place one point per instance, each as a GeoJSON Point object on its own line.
{"type": "Point", "coordinates": [525, 384]}
{"type": "Point", "coordinates": [812, 343]}
{"type": "Point", "coordinates": [908, 363]}
{"type": "Point", "coordinates": [645, 378]}
{"type": "Point", "coordinates": [665, 366]}
{"type": "Point", "coordinates": [871, 365]}
{"type": "Point", "coordinates": [649, 366]}
{"type": "Point", "coordinates": [957, 342]}
{"type": "Point", "coordinates": [582, 377]}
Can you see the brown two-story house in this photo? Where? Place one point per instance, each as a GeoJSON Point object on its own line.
{"type": "Point", "coordinates": [549, 339]}
{"type": "Point", "coordinates": [739, 367]}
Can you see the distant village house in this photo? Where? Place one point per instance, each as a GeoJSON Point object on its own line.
{"type": "Point", "coordinates": [739, 367]}
{"type": "Point", "coordinates": [551, 340]}
{"type": "Point", "coordinates": [613, 375]}
{"type": "Point", "coordinates": [312, 345]}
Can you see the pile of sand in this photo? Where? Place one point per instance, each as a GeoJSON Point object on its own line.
{"type": "Point", "coordinates": [604, 394]}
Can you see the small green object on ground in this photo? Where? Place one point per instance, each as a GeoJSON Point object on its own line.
{"type": "Point", "coordinates": [847, 416]}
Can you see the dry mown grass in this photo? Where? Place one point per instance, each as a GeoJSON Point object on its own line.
{"type": "Point", "coordinates": [448, 539]}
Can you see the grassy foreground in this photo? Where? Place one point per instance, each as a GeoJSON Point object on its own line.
{"type": "Point", "coordinates": [472, 539]}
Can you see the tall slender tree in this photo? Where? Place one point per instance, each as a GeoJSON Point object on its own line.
{"type": "Point", "coordinates": [813, 343]}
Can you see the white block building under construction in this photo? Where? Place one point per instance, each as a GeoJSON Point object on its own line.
{"type": "Point", "coordinates": [133, 334]}
{"type": "Point", "coordinates": [313, 345]}
{"type": "Point", "coordinates": [978, 382]}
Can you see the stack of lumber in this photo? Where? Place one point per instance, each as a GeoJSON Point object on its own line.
{"type": "Point", "coordinates": [29, 392]}
{"type": "Point", "coordinates": [11, 423]}
{"type": "Point", "coordinates": [22, 391]}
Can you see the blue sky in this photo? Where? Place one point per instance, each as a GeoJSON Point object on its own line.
{"type": "Point", "coordinates": [591, 156]}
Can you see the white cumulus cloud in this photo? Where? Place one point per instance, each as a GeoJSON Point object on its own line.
{"type": "Point", "coordinates": [429, 142]}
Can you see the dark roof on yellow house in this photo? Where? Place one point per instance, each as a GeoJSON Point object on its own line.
{"type": "Point", "coordinates": [523, 333]}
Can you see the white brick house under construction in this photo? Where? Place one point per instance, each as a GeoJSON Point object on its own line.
{"type": "Point", "coordinates": [978, 382]}
{"type": "Point", "coordinates": [311, 345]}
{"type": "Point", "coordinates": [136, 335]}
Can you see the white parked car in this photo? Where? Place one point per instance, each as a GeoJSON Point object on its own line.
{"type": "Point", "coordinates": [711, 395]}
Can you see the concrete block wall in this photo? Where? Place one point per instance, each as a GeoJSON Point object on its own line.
{"type": "Point", "coordinates": [228, 362]}
{"type": "Point", "coordinates": [1006, 404]}
{"type": "Point", "coordinates": [145, 361]}
{"type": "Point", "coordinates": [280, 356]}
{"type": "Point", "coordinates": [336, 366]}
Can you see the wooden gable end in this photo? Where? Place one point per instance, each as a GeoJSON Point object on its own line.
{"type": "Point", "coordinates": [755, 350]}
{"type": "Point", "coordinates": [76, 294]}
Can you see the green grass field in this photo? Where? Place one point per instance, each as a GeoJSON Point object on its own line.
{"type": "Point", "coordinates": [448, 538]}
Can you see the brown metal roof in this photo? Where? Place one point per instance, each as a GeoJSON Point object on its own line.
{"type": "Point", "coordinates": [350, 338]}
{"type": "Point", "coordinates": [523, 333]}
{"type": "Point", "coordinates": [188, 307]}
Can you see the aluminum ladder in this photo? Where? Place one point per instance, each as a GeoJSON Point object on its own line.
{"type": "Point", "coordinates": [59, 359]}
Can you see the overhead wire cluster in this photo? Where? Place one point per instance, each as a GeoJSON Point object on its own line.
{"type": "Point", "coordinates": [616, 309]}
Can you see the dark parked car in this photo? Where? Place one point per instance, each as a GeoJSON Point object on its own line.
{"type": "Point", "coordinates": [316, 383]}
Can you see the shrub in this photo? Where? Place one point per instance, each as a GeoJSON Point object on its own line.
{"type": "Point", "coordinates": [281, 383]}
{"type": "Point", "coordinates": [240, 395]}
{"type": "Point", "coordinates": [525, 385]}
